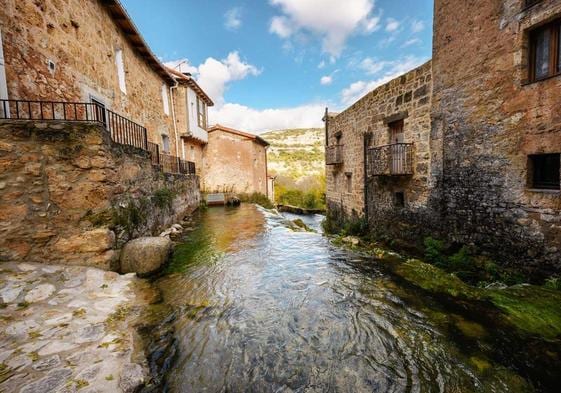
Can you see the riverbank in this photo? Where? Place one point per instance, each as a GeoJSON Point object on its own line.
{"type": "Point", "coordinates": [523, 320]}
{"type": "Point", "coordinates": [69, 328]}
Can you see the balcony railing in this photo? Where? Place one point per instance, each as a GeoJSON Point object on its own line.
{"type": "Point", "coordinates": [122, 130]}
{"type": "Point", "coordinates": [334, 155]}
{"type": "Point", "coordinates": [390, 160]}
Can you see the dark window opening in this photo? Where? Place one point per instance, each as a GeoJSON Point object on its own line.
{"type": "Point", "coordinates": [529, 3]}
{"type": "Point", "coordinates": [399, 199]}
{"type": "Point", "coordinates": [396, 132]}
{"type": "Point", "coordinates": [349, 182]}
{"type": "Point", "coordinates": [544, 171]}
{"type": "Point", "coordinates": [545, 50]}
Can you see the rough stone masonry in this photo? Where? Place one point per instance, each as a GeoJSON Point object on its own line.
{"type": "Point", "coordinates": [69, 195]}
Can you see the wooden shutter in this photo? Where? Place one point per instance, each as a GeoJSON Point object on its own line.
{"type": "Point", "coordinates": [3, 82]}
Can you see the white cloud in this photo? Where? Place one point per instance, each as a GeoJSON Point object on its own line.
{"type": "Point", "coordinates": [182, 65]}
{"type": "Point", "coordinates": [215, 75]}
{"type": "Point", "coordinates": [233, 18]}
{"type": "Point", "coordinates": [257, 121]}
{"type": "Point", "coordinates": [417, 26]}
{"type": "Point", "coordinates": [392, 25]}
{"type": "Point", "coordinates": [326, 80]}
{"type": "Point", "coordinates": [321, 65]}
{"type": "Point", "coordinates": [412, 41]}
{"type": "Point", "coordinates": [370, 66]}
{"type": "Point", "coordinates": [331, 20]}
{"type": "Point", "coordinates": [358, 89]}
{"type": "Point", "coordinates": [281, 27]}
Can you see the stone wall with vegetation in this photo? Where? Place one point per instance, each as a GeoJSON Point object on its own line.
{"type": "Point", "coordinates": [69, 195]}
{"type": "Point", "coordinates": [491, 120]}
{"type": "Point", "coordinates": [406, 98]}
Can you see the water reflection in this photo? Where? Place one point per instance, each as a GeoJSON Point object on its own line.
{"type": "Point", "coordinates": [266, 309]}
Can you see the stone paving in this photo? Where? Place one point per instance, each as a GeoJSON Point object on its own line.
{"type": "Point", "coordinates": [67, 329]}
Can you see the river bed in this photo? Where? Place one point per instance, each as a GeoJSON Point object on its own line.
{"type": "Point", "coordinates": [262, 308]}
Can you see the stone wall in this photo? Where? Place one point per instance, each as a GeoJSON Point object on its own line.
{"type": "Point", "coordinates": [69, 195]}
{"type": "Point", "coordinates": [81, 39]}
{"type": "Point", "coordinates": [491, 119]}
{"type": "Point", "coordinates": [406, 98]}
{"type": "Point", "coordinates": [234, 163]}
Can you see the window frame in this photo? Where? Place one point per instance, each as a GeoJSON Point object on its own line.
{"type": "Point", "coordinates": [536, 184]}
{"type": "Point", "coordinates": [121, 72]}
{"type": "Point", "coordinates": [201, 113]}
{"type": "Point", "coordinates": [165, 98]}
{"type": "Point", "coordinates": [166, 138]}
{"type": "Point", "coordinates": [554, 30]}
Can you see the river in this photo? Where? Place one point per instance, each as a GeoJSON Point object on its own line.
{"type": "Point", "coordinates": [262, 308]}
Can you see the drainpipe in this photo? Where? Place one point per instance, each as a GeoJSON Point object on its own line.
{"type": "Point", "coordinates": [173, 118]}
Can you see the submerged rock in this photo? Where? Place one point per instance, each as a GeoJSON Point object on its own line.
{"type": "Point", "coordinates": [145, 255]}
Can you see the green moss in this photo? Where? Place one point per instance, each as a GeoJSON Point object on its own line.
{"type": "Point", "coordinates": [163, 198]}
{"type": "Point", "coordinates": [109, 377]}
{"type": "Point", "coordinates": [34, 356]}
{"type": "Point", "coordinates": [100, 219]}
{"type": "Point", "coordinates": [480, 364]}
{"type": "Point", "coordinates": [79, 313]}
{"type": "Point", "coordinates": [435, 280]}
{"type": "Point", "coordinates": [131, 215]}
{"type": "Point", "coordinates": [533, 309]}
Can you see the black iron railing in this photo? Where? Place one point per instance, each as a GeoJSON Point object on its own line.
{"type": "Point", "coordinates": [121, 129]}
{"type": "Point", "coordinates": [390, 160]}
{"type": "Point", "coordinates": [334, 155]}
{"type": "Point", "coordinates": [186, 167]}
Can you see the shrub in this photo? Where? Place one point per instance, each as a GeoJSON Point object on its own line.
{"type": "Point", "coordinates": [356, 226]}
{"type": "Point", "coordinates": [434, 252]}
{"type": "Point", "coordinates": [163, 198]}
{"type": "Point", "coordinates": [553, 283]}
{"type": "Point", "coordinates": [257, 198]}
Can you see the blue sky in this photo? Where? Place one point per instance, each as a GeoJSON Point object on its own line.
{"type": "Point", "coordinates": [271, 64]}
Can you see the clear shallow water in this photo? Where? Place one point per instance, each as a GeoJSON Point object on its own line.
{"type": "Point", "coordinates": [265, 309]}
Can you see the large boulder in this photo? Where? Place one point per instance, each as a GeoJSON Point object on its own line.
{"type": "Point", "coordinates": [145, 255]}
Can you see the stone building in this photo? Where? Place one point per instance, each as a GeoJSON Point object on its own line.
{"type": "Point", "coordinates": [379, 150]}
{"type": "Point", "coordinates": [87, 51]}
{"type": "Point", "coordinates": [483, 167]}
{"type": "Point", "coordinates": [498, 114]}
{"type": "Point", "coordinates": [90, 147]}
{"type": "Point", "coordinates": [235, 161]}
{"type": "Point", "coordinates": [191, 112]}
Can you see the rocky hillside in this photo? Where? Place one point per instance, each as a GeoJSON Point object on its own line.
{"type": "Point", "coordinates": [296, 153]}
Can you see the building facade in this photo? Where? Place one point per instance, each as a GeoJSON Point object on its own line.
{"type": "Point", "coordinates": [483, 167]}
{"type": "Point", "coordinates": [191, 112]}
{"type": "Point", "coordinates": [498, 111]}
{"type": "Point", "coordinates": [235, 161]}
{"type": "Point", "coordinates": [379, 151]}
{"type": "Point", "coordinates": [86, 51]}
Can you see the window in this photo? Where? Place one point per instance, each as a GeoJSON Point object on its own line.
{"type": "Point", "coordinates": [165, 98]}
{"type": "Point", "coordinates": [3, 83]}
{"type": "Point", "coordinates": [192, 153]}
{"type": "Point", "coordinates": [349, 182]}
{"type": "Point", "coordinates": [545, 49]}
{"type": "Point", "coordinates": [396, 132]}
{"type": "Point", "coordinates": [399, 199]}
{"type": "Point", "coordinates": [165, 143]}
{"type": "Point", "coordinates": [543, 171]}
{"type": "Point", "coordinates": [121, 70]}
{"type": "Point", "coordinates": [201, 113]}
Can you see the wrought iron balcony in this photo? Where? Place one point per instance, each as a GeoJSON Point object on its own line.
{"type": "Point", "coordinates": [390, 160]}
{"type": "Point", "coordinates": [334, 155]}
